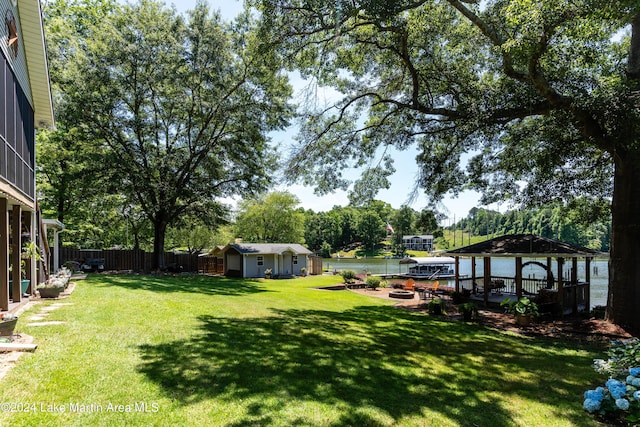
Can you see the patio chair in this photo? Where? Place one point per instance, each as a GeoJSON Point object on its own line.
{"type": "Point", "coordinates": [410, 285]}
{"type": "Point", "coordinates": [433, 291]}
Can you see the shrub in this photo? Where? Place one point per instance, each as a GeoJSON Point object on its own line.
{"type": "Point", "coordinates": [349, 276]}
{"type": "Point", "coordinates": [523, 306]}
{"type": "Point", "coordinates": [623, 354]}
{"type": "Point", "coordinates": [436, 306]}
{"type": "Point", "coordinates": [373, 282]}
{"type": "Point", "coordinates": [617, 400]}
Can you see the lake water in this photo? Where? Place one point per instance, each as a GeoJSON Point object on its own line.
{"type": "Point", "coordinates": [499, 267]}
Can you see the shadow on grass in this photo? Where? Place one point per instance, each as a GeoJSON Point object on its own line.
{"type": "Point", "coordinates": [396, 362]}
{"type": "Point", "coordinates": [207, 285]}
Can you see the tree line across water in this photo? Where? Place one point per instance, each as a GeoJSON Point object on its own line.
{"type": "Point", "coordinates": [376, 225]}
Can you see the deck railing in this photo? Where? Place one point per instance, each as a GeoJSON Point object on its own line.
{"type": "Point", "coordinates": [575, 297]}
{"type": "Point", "coordinates": [504, 284]}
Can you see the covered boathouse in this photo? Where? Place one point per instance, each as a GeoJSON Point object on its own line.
{"type": "Point", "coordinates": [561, 288]}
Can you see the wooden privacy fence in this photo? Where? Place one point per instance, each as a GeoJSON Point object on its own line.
{"type": "Point", "coordinates": [135, 260]}
{"type": "Point", "coordinates": [138, 260]}
{"type": "Point", "coordinates": [210, 264]}
{"type": "Point", "coordinates": [315, 265]}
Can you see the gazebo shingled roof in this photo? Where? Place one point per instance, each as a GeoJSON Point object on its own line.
{"type": "Point", "coordinates": [523, 245]}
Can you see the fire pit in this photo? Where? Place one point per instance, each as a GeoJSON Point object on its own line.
{"type": "Point", "coordinates": [400, 293]}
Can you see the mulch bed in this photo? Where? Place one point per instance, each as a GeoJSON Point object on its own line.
{"type": "Point", "coordinates": [575, 327]}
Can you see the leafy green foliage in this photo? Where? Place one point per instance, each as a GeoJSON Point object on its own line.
{"type": "Point", "coordinates": [526, 102]}
{"type": "Point", "coordinates": [270, 218]}
{"type": "Point", "coordinates": [572, 223]}
{"type": "Point", "coordinates": [373, 282]}
{"type": "Point", "coordinates": [523, 306]}
{"type": "Point", "coordinates": [371, 228]}
{"type": "Point", "coordinates": [622, 355]}
{"type": "Point", "coordinates": [181, 106]}
{"type": "Point", "coordinates": [437, 306]}
{"type": "Point", "coordinates": [349, 276]}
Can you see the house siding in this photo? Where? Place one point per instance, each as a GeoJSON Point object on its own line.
{"type": "Point", "coordinates": [17, 134]}
{"type": "Point", "coordinates": [19, 63]}
{"type": "Point", "coordinates": [282, 259]}
{"type": "Point", "coordinates": [17, 127]}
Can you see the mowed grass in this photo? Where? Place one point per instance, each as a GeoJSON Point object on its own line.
{"type": "Point", "coordinates": [202, 351]}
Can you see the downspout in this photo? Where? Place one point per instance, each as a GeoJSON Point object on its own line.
{"type": "Point", "coordinates": [56, 247]}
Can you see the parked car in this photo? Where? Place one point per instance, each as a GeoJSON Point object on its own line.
{"type": "Point", "coordinates": [93, 265]}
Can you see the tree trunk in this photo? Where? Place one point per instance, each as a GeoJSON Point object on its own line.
{"type": "Point", "coordinates": [159, 232]}
{"type": "Point", "coordinates": [623, 304]}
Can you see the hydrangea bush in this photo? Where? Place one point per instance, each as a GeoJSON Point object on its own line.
{"type": "Point", "coordinates": [623, 354]}
{"type": "Point", "coordinates": [617, 399]}
{"type": "Point", "coordinates": [620, 396]}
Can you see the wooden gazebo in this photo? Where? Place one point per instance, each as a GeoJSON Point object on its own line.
{"type": "Point", "coordinates": [570, 293]}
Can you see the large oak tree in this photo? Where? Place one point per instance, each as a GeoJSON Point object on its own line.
{"type": "Point", "coordinates": [181, 106]}
{"type": "Point", "coordinates": [525, 101]}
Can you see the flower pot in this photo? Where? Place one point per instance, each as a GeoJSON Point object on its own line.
{"type": "Point", "coordinates": [523, 319]}
{"type": "Point", "coordinates": [7, 327]}
{"type": "Point", "coordinates": [50, 292]}
{"type": "Point", "coordinates": [24, 285]}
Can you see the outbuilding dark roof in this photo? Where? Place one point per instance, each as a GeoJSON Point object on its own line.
{"type": "Point", "coordinates": [268, 248]}
{"type": "Point", "coordinates": [523, 245]}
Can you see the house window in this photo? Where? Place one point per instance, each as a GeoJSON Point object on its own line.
{"type": "Point", "coordinates": [260, 260]}
{"type": "Point", "coordinates": [295, 259]}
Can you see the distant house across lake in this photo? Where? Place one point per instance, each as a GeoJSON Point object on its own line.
{"type": "Point", "coordinates": [422, 242]}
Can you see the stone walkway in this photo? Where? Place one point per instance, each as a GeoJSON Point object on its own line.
{"type": "Point", "coordinates": [9, 359]}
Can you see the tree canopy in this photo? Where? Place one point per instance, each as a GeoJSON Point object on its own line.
{"type": "Point", "coordinates": [270, 218]}
{"type": "Point", "coordinates": [180, 107]}
{"type": "Point", "coordinates": [524, 101]}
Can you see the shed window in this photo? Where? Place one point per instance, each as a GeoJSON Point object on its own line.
{"type": "Point", "coordinates": [295, 259]}
{"type": "Point", "coordinates": [260, 260]}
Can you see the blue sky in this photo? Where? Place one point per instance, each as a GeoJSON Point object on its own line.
{"type": "Point", "coordinates": [402, 181]}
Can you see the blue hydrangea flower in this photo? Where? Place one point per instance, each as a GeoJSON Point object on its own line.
{"type": "Point", "coordinates": [617, 388]}
{"type": "Point", "coordinates": [622, 404]}
{"type": "Point", "coordinates": [629, 379]}
{"type": "Point", "coordinates": [613, 383]}
{"type": "Point", "coordinates": [635, 372]}
{"type": "Point", "coordinates": [594, 395]}
{"type": "Point", "coordinates": [635, 382]}
{"type": "Point", "coordinates": [591, 405]}
{"type": "Point", "coordinates": [618, 391]}
{"type": "Point", "coordinates": [636, 395]}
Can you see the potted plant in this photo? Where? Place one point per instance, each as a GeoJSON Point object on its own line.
{"type": "Point", "coordinates": [267, 273]}
{"type": "Point", "coordinates": [436, 306]}
{"type": "Point", "coordinates": [469, 311]}
{"type": "Point", "coordinates": [524, 310]}
{"type": "Point", "coordinates": [29, 250]}
{"type": "Point", "coordinates": [303, 272]}
{"type": "Point", "coordinates": [51, 288]}
{"type": "Point", "coordinates": [7, 324]}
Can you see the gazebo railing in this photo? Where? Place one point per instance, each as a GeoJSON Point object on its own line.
{"type": "Point", "coordinates": [503, 284]}
{"type": "Point", "coordinates": [575, 297]}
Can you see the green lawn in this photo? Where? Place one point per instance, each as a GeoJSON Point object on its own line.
{"type": "Point", "coordinates": [190, 351]}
